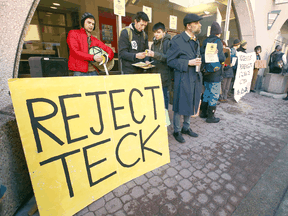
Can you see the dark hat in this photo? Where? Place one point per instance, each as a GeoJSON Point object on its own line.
{"type": "Point", "coordinates": [85, 16]}
{"type": "Point", "coordinates": [243, 43]}
{"type": "Point", "coordinates": [278, 47]}
{"type": "Point", "coordinates": [236, 42]}
{"type": "Point", "coordinates": [215, 28]}
{"type": "Point", "coordinates": [191, 18]}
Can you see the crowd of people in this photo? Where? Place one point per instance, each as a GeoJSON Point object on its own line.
{"type": "Point", "coordinates": [181, 59]}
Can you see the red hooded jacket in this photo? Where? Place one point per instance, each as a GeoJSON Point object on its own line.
{"type": "Point", "coordinates": [78, 47]}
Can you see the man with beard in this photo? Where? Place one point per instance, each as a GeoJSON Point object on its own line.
{"type": "Point", "coordinates": [133, 42]}
{"type": "Point", "coordinates": [184, 56]}
{"type": "Point", "coordinates": [79, 42]}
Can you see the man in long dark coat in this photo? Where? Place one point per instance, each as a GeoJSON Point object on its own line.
{"type": "Point", "coordinates": [184, 56]}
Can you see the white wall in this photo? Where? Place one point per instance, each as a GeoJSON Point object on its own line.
{"type": "Point", "coordinates": [265, 37]}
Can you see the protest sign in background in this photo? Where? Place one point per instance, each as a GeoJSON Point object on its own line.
{"type": "Point", "coordinates": [85, 136]}
{"type": "Point", "coordinates": [244, 74]}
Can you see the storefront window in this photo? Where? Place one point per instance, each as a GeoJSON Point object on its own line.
{"type": "Point", "coordinates": [48, 30]}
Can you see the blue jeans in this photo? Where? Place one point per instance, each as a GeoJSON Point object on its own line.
{"type": "Point", "coordinates": [166, 96]}
{"type": "Point", "coordinates": [92, 73]}
{"type": "Point", "coordinates": [211, 93]}
{"type": "Point", "coordinates": [176, 122]}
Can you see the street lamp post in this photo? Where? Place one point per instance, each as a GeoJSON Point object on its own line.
{"type": "Point", "coordinates": [227, 20]}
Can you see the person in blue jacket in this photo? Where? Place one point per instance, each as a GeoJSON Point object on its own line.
{"type": "Point", "coordinates": [212, 80]}
{"type": "Point", "coordinates": [182, 56]}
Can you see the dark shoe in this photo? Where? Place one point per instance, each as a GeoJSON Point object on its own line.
{"type": "Point", "coordinates": [189, 132]}
{"type": "Point", "coordinates": [286, 98]}
{"type": "Point", "coordinates": [252, 91]}
{"type": "Point", "coordinates": [210, 111]}
{"type": "Point", "coordinates": [203, 110]}
{"type": "Point", "coordinates": [178, 137]}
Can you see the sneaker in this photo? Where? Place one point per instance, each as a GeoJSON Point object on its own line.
{"type": "Point", "coordinates": [189, 132]}
{"type": "Point", "coordinates": [286, 98]}
{"type": "Point", "coordinates": [178, 137]}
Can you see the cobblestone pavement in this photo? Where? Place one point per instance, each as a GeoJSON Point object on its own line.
{"type": "Point", "coordinates": [211, 174]}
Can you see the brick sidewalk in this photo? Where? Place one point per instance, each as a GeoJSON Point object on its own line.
{"type": "Point", "coordinates": [211, 174]}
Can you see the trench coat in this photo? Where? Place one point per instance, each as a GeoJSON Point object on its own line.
{"type": "Point", "coordinates": [187, 82]}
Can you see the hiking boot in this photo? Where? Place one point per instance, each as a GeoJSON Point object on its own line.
{"type": "Point", "coordinates": [203, 110]}
{"type": "Point", "coordinates": [178, 137]}
{"type": "Point", "coordinates": [210, 112]}
{"type": "Point", "coordinates": [189, 132]}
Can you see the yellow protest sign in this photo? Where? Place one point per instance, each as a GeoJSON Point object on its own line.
{"type": "Point", "coordinates": [85, 136]}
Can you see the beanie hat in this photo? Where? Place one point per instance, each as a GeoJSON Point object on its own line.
{"type": "Point", "coordinates": [85, 16]}
{"type": "Point", "coordinates": [236, 42]}
{"type": "Point", "coordinates": [215, 29]}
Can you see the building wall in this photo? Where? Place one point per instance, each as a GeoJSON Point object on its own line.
{"type": "Point", "coordinates": [265, 37]}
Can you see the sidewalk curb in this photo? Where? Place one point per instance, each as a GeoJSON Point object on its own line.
{"type": "Point", "coordinates": [266, 196]}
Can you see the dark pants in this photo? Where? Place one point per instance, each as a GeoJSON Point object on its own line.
{"type": "Point", "coordinates": [92, 73]}
{"type": "Point", "coordinates": [166, 97]}
{"type": "Point", "coordinates": [254, 78]}
{"type": "Point", "coordinates": [225, 86]}
{"type": "Point", "coordinates": [211, 93]}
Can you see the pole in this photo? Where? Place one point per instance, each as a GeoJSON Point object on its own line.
{"type": "Point", "coordinates": [227, 20]}
{"type": "Point", "coordinates": [118, 36]}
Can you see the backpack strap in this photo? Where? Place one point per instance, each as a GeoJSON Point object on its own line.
{"type": "Point", "coordinates": [130, 33]}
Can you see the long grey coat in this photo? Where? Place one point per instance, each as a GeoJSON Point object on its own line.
{"type": "Point", "coordinates": [187, 82]}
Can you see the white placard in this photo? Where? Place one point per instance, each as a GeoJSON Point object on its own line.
{"type": "Point", "coordinates": [148, 11]}
{"type": "Point", "coordinates": [173, 22]}
{"type": "Point", "coordinates": [244, 74]}
{"type": "Point", "coordinates": [119, 7]}
{"type": "Point", "coordinates": [211, 53]}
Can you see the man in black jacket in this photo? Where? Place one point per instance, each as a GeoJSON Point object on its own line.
{"type": "Point", "coordinates": [159, 48]}
{"type": "Point", "coordinates": [132, 44]}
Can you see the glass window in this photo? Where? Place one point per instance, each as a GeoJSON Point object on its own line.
{"type": "Point", "coordinates": [52, 18]}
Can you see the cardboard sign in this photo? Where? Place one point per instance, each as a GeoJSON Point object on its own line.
{"type": "Point", "coordinates": [260, 64]}
{"type": "Point", "coordinates": [85, 136]}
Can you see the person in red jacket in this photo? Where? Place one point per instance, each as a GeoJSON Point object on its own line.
{"type": "Point", "coordinates": [79, 42]}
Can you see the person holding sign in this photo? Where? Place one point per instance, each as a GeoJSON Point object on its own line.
{"type": "Point", "coordinates": [159, 48]}
{"type": "Point", "coordinates": [257, 51]}
{"type": "Point", "coordinates": [79, 42]}
{"type": "Point", "coordinates": [182, 56]}
{"type": "Point", "coordinates": [243, 46]}
{"type": "Point", "coordinates": [132, 44]}
{"type": "Point", "coordinates": [212, 72]}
